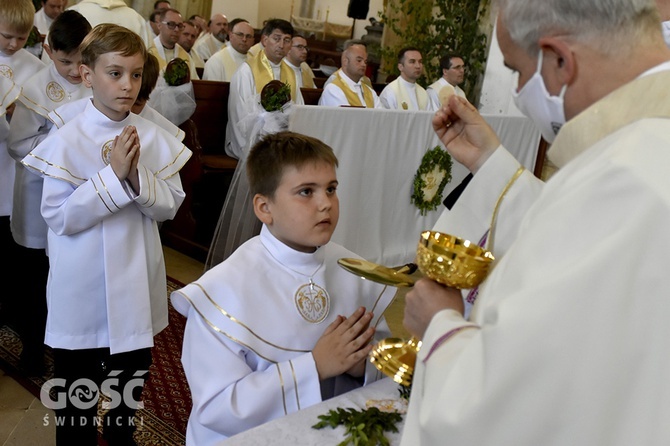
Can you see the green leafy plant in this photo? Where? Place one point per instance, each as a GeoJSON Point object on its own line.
{"type": "Point", "coordinates": [430, 179]}
{"type": "Point", "coordinates": [438, 27]}
{"type": "Point", "coordinates": [363, 427]}
{"type": "Point", "coordinates": [274, 95]}
{"type": "Point", "coordinates": [177, 72]}
{"type": "Point", "coordinates": [33, 38]}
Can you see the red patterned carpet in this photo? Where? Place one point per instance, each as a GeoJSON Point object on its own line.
{"type": "Point", "coordinates": [166, 397]}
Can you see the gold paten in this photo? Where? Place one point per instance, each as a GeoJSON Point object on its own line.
{"type": "Point", "coordinates": [378, 273]}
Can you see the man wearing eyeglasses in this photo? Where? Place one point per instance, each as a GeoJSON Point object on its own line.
{"type": "Point", "coordinates": [250, 78]}
{"type": "Point", "coordinates": [222, 65]}
{"type": "Point", "coordinates": [170, 25]}
{"type": "Point", "coordinates": [207, 45]}
{"type": "Point", "coordinates": [453, 72]}
{"type": "Point", "coordinates": [187, 38]}
{"type": "Point", "coordinates": [296, 59]}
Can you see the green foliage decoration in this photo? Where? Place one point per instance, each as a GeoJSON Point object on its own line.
{"type": "Point", "coordinates": [430, 180]}
{"type": "Point", "coordinates": [363, 427]}
{"type": "Point", "coordinates": [436, 28]}
{"type": "Point", "coordinates": [177, 72]}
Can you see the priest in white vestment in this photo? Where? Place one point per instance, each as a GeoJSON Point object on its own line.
{"type": "Point", "coordinates": [296, 59]}
{"type": "Point", "coordinates": [45, 16]}
{"type": "Point", "coordinates": [404, 93]}
{"type": "Point", "coordinates": [223, 64]}
{"type": "Point", "coordinates": [562, 346]}
{"type": "Point", "coordinates": [215, 39]}
{"type": "Point", "coordinates": [166, 47]}
{"type": "Point", "coordinates": [453, 73]}
{"type": "Point", "coordinates": [249, 80]}
{"type": "Point", "coordinates": [348, 86]}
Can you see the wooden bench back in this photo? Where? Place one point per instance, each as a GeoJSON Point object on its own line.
{"type": "Point", "coordinates": [211, 114]}
{"type": "Point", "coordinates": [311, 95]}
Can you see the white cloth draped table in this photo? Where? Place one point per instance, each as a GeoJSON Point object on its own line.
{"type": "Point", "coordinates": [379, 152]}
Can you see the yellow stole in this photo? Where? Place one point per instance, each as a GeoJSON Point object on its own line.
{"type": "Point", "coordinates": [262, 72]}
{"type": "Point", "coordinates": [352, 96]}
{"type": "Point", "coordinates": [180, 53]}
{"type": "Point", "coordinates": [307, 80]}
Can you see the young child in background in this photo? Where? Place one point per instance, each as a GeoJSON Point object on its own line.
{"type": "Point", "coordinates": [16, 66]}
{"type": "Point", "coordinates": [54, 85]}
{"type": "Point", "coordinates": [265, 334]}
{"type": "Point", "coordinates": [109, 177]}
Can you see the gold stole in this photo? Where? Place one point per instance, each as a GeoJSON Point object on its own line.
{"type": "Point", "coordinates": [262, 72]}
{"type": "Point", "coordinates": [180, 53]}
{"type": "Point", "coordinates": [229, 62]}
{"type": "Point", "coordinates": [352, 96]}
{"type": "Point", "coordinates": [307, 80]}
{"type": "Point", "coordinates": [402, 95]}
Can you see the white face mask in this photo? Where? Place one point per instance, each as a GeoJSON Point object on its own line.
{"type": "Point", "coordinates": [545, 110]}
{"type": "Point", "coordinates": [666, 32]}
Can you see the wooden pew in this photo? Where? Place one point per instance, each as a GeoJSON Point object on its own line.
{"type": "Point", "coordinates": [206, 178]}
{"type": "Point", "coordinates": [311, 95]}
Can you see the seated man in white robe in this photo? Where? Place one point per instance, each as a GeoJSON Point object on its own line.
{"type": "Point", "coordinates": [453, 72]}
{"type": "Point", "coordinates": [215, 39]}
{"type": "Point", "coordinates": [284, 344]}
{"type": "Point", "coordinates": [296, 59]}
{"type": "Point", "coordinates": [249, 80]}
{"type": "Point", "coordinates": [187, 39]}
{"type": "Point", "coordinates": [404, 93]}
{"type": "Point", "coordinates": [170, 25]}
{"type": "Point", "coordinates": [564, 279]}
{"type": "Point", "coordinates": [45, 16]}
{"type": "Point", "coordinates": [223, 64]}
{"type": "Point", "coordinates": [347, 87]}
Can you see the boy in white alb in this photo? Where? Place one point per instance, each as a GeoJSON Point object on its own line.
{"type": "Point", "coordinates": [16, 66]}
{"type": "Point", "coordinates": [109, 177]}
{"type": "Point", "coordinates": [267, 331]}
{"type": "Point", "coordinates": [54, 85]}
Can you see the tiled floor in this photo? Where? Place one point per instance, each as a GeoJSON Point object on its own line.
{"type": "Point", "coordinates": [22, 416]}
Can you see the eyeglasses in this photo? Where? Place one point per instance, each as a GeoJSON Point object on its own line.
{"type": "Point", "coordinates": [301, 47]}
{"type": "Point", "coordinates": [278, 39]}
{"type": "Point", "coordinates": [173, 25]}
{"type": "Point", "coordinates": [244, 36]}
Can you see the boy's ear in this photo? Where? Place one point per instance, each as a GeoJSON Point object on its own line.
{"type": "Point", "coordinates": [85, 72]}
{"type": "Point", "coordinates": [47, 49]}
{"type": "Point", "coordinates": [262, 209]}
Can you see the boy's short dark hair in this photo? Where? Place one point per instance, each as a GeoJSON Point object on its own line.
{"type": "Point", "coordinates": [17, 15]}
{"type": "Point", "coordinates": [149, 77]}
{"type": "Point", "coordinates": [68, 31]}
{"type": "Point", "coordinates": [269, 158]}
{"type": "Point", "coordinates": [109, 38]}
{"type": "Point", "coordinates": [280, 24]}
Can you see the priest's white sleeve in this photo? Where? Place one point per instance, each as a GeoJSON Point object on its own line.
{"type": "Point", "coordinates": [333, 96]}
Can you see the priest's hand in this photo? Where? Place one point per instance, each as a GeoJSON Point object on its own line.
{"type": "Point", "coordinates": [344, 344]}
{"type": "Point", "coordinates": [465, 133]}
{"type": "Point", "coordinates": [125, 156]}
{"type": "Point", "coordinates": [425, 300]}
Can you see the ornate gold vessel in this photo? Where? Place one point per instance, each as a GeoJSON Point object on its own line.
{"type": "Point", "coordinates": [449, 260]}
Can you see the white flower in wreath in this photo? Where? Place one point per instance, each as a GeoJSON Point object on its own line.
{"type": "Point", "coordinates": [432, 181]}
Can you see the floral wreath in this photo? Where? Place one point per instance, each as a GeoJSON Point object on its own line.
{"type": "Point", "coordinates": [430, 179]}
